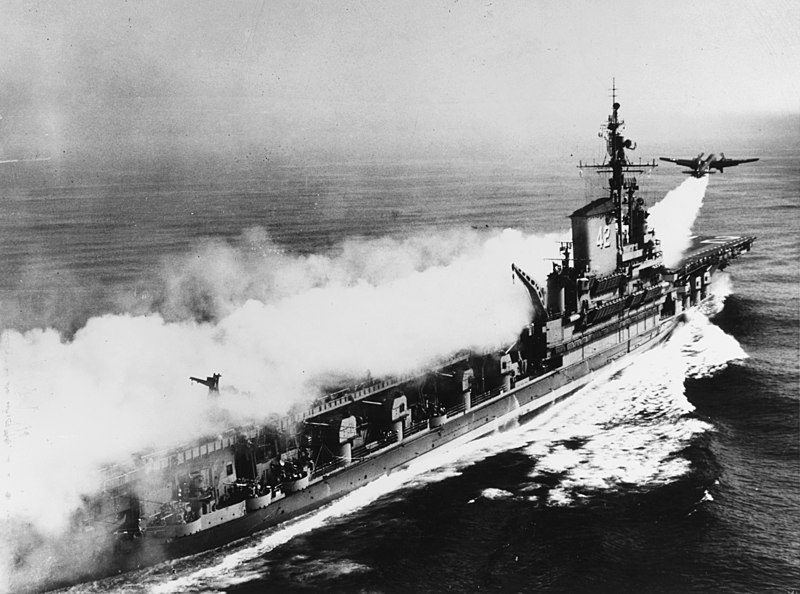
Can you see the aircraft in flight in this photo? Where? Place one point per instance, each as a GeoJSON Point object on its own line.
{"type": "Point", "coordinates": [700, 165]}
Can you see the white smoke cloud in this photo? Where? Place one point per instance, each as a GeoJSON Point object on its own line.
{"type": "Point", "coordinates": [276, 326]}
{"type": "Point", "coordinates": [120, 384]}
{"type": "Point", "coordinates": [673, 217]}
{"type": "Point", "coordinates": [217, 277]}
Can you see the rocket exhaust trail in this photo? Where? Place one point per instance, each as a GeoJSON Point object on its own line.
{"type": "Point", "coordinates": [673, 217]}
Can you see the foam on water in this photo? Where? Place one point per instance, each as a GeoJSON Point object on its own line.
{"type": "Point", "coordinates": [632, 428]}
{"type": "Point", "coordinates": [492, 493]}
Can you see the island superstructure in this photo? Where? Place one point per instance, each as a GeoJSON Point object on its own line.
{"type": "Point", "coordinates": [609, 296]}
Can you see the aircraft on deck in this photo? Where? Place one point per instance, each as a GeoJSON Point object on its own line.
{"type": "Point", "coordinates": [702, 165]}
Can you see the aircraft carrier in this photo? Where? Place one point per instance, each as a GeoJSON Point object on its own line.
{"type": "Point", "coordinates": [609, 296]}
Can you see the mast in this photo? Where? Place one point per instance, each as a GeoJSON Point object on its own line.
{"type": "Point", "coordinates": [622, 185]}
{"type": "Point", "coordinates": [616, 149]}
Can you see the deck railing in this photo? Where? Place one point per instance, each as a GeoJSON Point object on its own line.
{"type": "Point", "coordinates": [455, 410]}
{"type": "Point", "coordinates": [416, 428]}
{"type": "Point", "coordinates": [327, 468]}
{"type": "Point", "coordinates": [481, 398]}
{"type": "Point", "coordinates": [360, 453]}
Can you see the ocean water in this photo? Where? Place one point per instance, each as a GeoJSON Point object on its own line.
{"type": "Point", "coordinates": [678, 472]}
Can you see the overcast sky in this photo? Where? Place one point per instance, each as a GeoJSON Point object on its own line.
{"type": "Point", "coordinates": [372, 79]}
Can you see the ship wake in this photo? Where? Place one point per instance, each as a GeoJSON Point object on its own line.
{"type": "Point", "coordinates": [630, 431]}
{"type": "Point", "coordinates": [626, 430]}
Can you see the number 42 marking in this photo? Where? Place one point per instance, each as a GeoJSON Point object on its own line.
{"type": "Point", "coordinates": [604, 237]}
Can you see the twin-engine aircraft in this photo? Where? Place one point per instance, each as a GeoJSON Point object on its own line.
{"type": "Point", "coordinates": [700, 166]}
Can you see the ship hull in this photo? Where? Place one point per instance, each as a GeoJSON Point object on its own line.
{"type": "Point", "coordinates": [526, 401]}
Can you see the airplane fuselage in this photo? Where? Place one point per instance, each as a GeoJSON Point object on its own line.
{"type": "Point", "coordinates": [700, 166]}
{"type": "Point", "coordinates": [705, 166]}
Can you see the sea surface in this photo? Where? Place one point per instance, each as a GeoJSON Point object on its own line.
{"type": "Point", "coordinates": [677, 473]}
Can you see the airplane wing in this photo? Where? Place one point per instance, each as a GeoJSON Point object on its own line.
{"type": "Point", "coordinates": [681, 162]}
{"type": "Point", "coordinates": [732, 162]}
